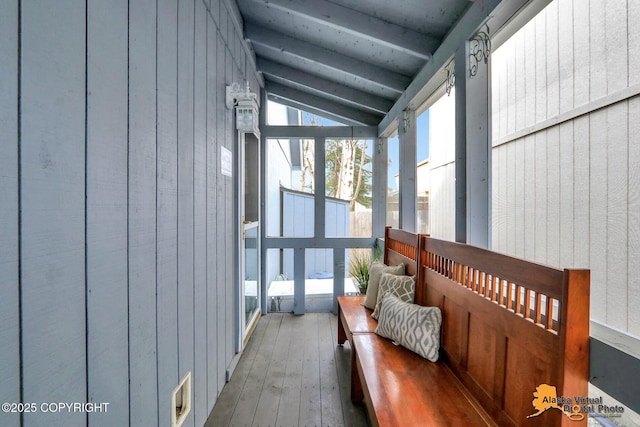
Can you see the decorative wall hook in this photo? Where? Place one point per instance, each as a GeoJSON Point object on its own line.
{"type": "Point", "coordinates": [406, 122]}
{"type": "Point", "coordinates": [479, 50]}
{"type": "Point", "coordinates": [450, 68]}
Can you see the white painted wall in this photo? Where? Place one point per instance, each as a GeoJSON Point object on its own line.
{"type": "Point", "coordinates": [423, 183]}
{"type": "Point", "coordinates": [566, 156]}
{"type": "Point", "coordinates": [442, 166]}
{"type": "Point", "coordinates": [116, 223]}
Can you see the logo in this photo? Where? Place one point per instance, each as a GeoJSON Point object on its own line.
{"type": "Point", "coordinates": [546, 398]}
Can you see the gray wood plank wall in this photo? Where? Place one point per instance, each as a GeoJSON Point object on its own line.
{"type": "Point", "coordinates": [53, 217]}
{"type": "Point", "coordinates": [185, 146]}
{"type": "Point", "coordinates": [213, 171]}
{"type": "Point", "coordinates": [167, 211]}
{"type": "Point", "coordinates": [221, 222]}
{"type": "Point", "coordinates": [106, 210]}
{"type": "Point", "coordinates": [143, 197]}
{"type": "Point", "coordinates": [201, 411]}
{"type": "Point", "coordinates": [9, 208]}
{"type": "Point", "coordinates": [229, 66]}
{"type": "Point", "coordinates": [115, 220]}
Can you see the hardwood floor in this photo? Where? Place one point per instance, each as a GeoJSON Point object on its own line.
{"type": "Point", "coordinates": [292, 374]}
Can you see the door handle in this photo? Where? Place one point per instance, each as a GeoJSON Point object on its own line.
{"type": "Point", "coordinates": [244, 223]}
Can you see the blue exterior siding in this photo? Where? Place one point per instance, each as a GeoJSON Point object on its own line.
{"type": "Point", "coordinates": [115, 221]}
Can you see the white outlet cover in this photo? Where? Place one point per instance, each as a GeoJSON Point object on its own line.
{"type": "Point", "coordinates": [184, 389]}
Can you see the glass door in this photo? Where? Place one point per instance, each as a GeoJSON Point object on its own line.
{"type": "Point", "coordinates": [251, 277]}
{"type": "Point", "coordinates": [249, 202]}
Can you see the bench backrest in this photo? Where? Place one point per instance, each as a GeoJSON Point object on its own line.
{"type": "Point", "coordinates": [401, 246]}
{"type": "Point", "coordinates": [509, 325]}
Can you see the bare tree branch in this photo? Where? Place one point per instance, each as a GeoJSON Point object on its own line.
{"type": "Point", "coordinates": [356, 192]}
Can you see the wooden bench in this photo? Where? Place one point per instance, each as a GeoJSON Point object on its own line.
{"type": "Point", "coordinates": [400, 247]}
{"type": "Point", "coordinates": [509, 325]}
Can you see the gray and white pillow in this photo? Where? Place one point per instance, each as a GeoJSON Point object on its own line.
{"type": "Point", "coordinates": [412, 326]}
{"type": "Point", "coordinates": [375, 272]}
{"type": "Point", "coordinates": [402, 287]}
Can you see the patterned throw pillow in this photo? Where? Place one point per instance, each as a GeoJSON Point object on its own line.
{"type": "Point", "coordinates": [412, 326]}
{"type": "Point", "coordinates": [375, 271]}
{"type": "Point", "coordinates": [402, 287]}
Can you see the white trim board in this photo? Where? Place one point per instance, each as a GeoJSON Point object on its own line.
{"type": "Point", "coordinates": [605, 101]}
{"type": "Point", "coordinates": [615, 338]}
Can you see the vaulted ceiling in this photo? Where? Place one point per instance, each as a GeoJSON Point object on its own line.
{"type": "Point", "coordinates": [349, 60]}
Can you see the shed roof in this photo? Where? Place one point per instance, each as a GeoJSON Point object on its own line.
{"type": "Point", "coordinates": [361, 61]}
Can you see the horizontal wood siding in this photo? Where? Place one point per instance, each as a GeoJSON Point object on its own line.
{"type": "Point", "coordinates": [566, 192]}
{"type": "Point", "coordinates": [116, 224]}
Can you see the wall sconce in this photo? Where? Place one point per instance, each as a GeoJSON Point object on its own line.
{"type": "Point", "coordinates": [246, 105]}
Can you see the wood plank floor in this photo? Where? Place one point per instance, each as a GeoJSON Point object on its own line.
{"type": "Point", "coordinates": [292, 374]}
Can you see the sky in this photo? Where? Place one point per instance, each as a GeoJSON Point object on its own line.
{"type": "Point", "coordinates": [422, 153]}
{"type": "Point", "coordinates": [422, 150]}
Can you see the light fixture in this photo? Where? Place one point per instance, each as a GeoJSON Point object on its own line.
{"type": "Point", "coordinates": [246, 105]}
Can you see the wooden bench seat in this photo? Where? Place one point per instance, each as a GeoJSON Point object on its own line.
{"type": "Point", "coordinates": [401, 388]}
{"type": "Point", "coordinates": [508, 326]}
{"type": "Point", "coordinates": [400, 247]}
{"type": "Point", "coordinates": [353, 316]}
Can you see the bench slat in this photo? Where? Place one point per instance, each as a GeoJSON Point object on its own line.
{"type": "Point", "coordinates": [403, 389]}
{"type": "Point", "coordinates": [354, 317]}
{"type": "Point", "coordinates": [537, 277]}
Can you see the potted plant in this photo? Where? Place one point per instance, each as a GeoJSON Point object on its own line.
{"type": "Point", "coordinates": [359, 270]}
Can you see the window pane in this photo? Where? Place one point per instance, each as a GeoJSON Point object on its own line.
{"type": "Point", "coordinates": [282, 115]}
{"type": "Point", "coordinates": [318, 280]}
{"type": "Point", "coordinates": [348, 187]}
{"type": "Point", "coordinates": [441, 197]}
{"type": "Point", "coordinates": [289, 188]}
{"type": "Point", "coordinates": [422, 173]}
{"type": "Point", "coordinates": [309, 119]}
{"type": "Point", "coordinates": [393, 196]}
{"type": "Point", "coordinates": [357, 274]}
{"type": "Point", "coordinates": [280, 281]}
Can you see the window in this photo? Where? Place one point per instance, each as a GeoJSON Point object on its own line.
{"type": "Point", "coordinates": [348, 187]}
